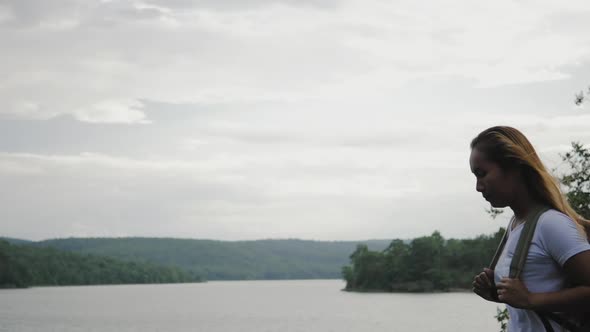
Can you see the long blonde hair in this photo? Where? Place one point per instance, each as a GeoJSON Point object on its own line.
{"type": "Point", "coordinates": [510, 149]}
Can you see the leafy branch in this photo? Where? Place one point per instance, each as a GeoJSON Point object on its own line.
{"type": "Point", "coordinates": [580, 97]}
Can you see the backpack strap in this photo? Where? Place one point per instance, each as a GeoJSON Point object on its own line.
{"type": "Point", "coordinates": [496, 258]}
{"type": "Point", "coordinates": [563, 321]}
{"type": "Point", "coordinates": [548, 327]}
{"type": "Point", "coordinates": [500, 248]}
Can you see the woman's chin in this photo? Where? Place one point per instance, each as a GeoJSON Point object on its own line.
{"type": "Point", "coordinates": [497, 205]}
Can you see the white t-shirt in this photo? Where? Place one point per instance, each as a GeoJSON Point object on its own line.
{"type": "Point", "coordinates": [555, 240]}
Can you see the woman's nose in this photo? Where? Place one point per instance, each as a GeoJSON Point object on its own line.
{"type": "Point", "coordinates": [479, 186]}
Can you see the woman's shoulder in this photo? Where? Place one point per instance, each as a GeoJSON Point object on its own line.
{"type": "Point", "coordinates": [553, 221]}
{"type": "Point", "coordinates": [560, 235]}
{"type": "Point", "coordinates": [552, 214]}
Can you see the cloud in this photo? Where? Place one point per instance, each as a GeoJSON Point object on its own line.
{"type": "Point", "coordinates": [231, 52]}
{"type": "Point", "coordinates": [233, 5]}
{"type": "Point", "coordinates": [113, 111]}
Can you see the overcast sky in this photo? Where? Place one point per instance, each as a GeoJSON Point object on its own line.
{"type": "Point", "coordinates": [232, 120]}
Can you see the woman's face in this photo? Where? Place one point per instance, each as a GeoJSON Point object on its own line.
{"type": "Point", "coordinates": [496, 185]}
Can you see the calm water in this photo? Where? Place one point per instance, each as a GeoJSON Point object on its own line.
{"type": "Point", "coordinates": [316, 305]}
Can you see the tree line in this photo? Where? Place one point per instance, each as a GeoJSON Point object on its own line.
{"type": "Point", "coordinates": [24, 266]}
{"type": "Point", "coordinates": [225, 260]}
{"type": "Point", "coordinates": [425, 264]}
{"type": "Point", "coordinates": [192, 259]}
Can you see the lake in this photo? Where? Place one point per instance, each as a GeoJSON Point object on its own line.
{"type": "Point", "coordinates": [292, 305]}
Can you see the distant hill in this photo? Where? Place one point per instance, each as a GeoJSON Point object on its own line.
{"type": "Point", "coordinates": [227, 260]}
{"type": "Point", "coordinates": [15, 241]}
{"type": "Point", "coordinates": [23, 265]}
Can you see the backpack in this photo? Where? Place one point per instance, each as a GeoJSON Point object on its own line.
{"type": "Point", "coordinates": [573, 322]}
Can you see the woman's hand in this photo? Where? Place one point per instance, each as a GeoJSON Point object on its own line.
{"type": "Point", "coordinates": [483, 285]}
{"type": "Point", "coordinates": [514, 293]}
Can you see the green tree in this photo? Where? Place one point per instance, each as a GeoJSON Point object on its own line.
{"type": "Point", "coordinates": [368, 269]}
{"type": "Point", "coordinates": [425, 264]}
{"type": "Point", "coordinates": [426, 254]}
{"type": "Point", "coordinates": [576, 179]}
{"type": "Point", "coordinates": [396, 260]}
{"type": "Point", "coordinates": [580, 97]}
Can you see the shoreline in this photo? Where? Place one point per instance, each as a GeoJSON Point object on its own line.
{"type": "Point", "coordinates": [450, 290]}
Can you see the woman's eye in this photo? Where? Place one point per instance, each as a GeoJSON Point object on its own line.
{"type": "Point", "coordinates": [480, 174]}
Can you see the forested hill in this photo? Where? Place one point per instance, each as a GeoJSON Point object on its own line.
{"type": "Point", "coordinates": [15, 241]}
{"type": "Point", "coordinates": [22, 265]}
{"type": "Point", "coordinates": [227, 260]}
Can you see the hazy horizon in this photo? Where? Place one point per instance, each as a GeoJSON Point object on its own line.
{"type": "Point", "coordinates": [202, 239]}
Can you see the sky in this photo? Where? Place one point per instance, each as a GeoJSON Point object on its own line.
{"type": "Point", "coordinates": [242, 120]}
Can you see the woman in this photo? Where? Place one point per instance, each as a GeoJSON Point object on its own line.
{"type": "Point", "coordinates": [509, 173]}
